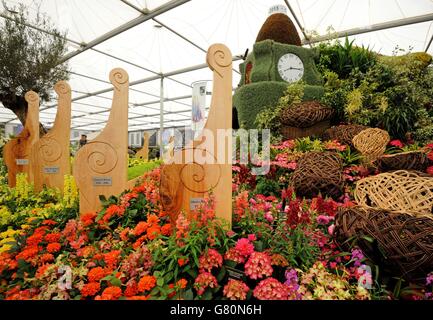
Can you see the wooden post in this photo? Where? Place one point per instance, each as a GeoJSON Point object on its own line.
{"type": "Point", "coordinates": [144, 152]}
{"type": "Point", "coordinates": [101, 165]}
{"type": "Point", "coordinates": [186, 181]}
{"type": "Point", "coordinates": [51, 155]}
{"type": "Point", "coordinates": [17, 152]}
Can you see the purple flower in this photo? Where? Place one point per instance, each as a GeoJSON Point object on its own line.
{"type": "Point", "coordinates": [429, 279]}
{"type": "Point", "coordinates": [292, 283]}
{"type": "Point", "coordinates": [357, 257]}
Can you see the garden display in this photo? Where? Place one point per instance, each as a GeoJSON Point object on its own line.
{"type": "Point", "coordinates": [344, 210]}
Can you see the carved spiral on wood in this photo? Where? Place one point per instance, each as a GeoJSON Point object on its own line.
{"type": "Point", "coordinates": [103, 158]}
{"type": "Point", "coordinates": [50, 150]}
{"type": "Point", "coordinates": [62, 88]}
{"type": "Point", "coordinates": [118, 77]}
{"type": "Point", "coordinates": [219, 57]}
{"type": "Point", "coordinates": [193, 176]}
{"type": "Point", "coordinates": [32, 97]}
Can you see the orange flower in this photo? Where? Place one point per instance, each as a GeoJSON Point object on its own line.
{"type": "Point", "coordinates": [140, 228]}
{"type": "Point", "coordinates": [90, 289]}
{"type": "Point", "coordinates": [110, 293]}
{"type": "Point", "coordinates": [54, 247]}
{"type": "Point", "coordinates": [146, 283]}
{"type": "Point", "coordinates": [181, 262]}
{"type": "Point", "coordinates": [52, 237]}
{"type": "Point", "coordinates": [124, 234]}
{"type": "Point", "coordinates": [88, 218]}
{"type": "Point", "coordinates": [153, 232]}
{"type": "Point", "coordinates": [182, 283]}
{"type": "Point", "coordinates": [47, 257]}
{"type": "Point", "coordinates": [166, 230]}
{"type": "Point", "coordinates": [42, 270]}
{"type": "Point", "coordinates": [152, 219]}
{"type": "Point", "coordinates": [144, 298]}
{"type": "Point", "coordinates": [131, 289]}
{"type": "Point", "coordinates": [96, 274]}
{"type": "Point", "coordinates": [111, 258]}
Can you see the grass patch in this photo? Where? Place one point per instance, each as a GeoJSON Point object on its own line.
{"type": "Point", "coordinates": [139, 170]}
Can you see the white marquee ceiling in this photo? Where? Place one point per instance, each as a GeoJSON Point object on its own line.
{"type": "Point", "coordinates": [148, 49]}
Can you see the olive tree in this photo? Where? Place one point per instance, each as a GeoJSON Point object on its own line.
{"type": "Point", "coordinates": [31, 49]}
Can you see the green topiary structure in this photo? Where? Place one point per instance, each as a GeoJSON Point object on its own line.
{"type": "Point", "coordinates": [252, 99]}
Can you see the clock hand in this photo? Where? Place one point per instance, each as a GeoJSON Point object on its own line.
{"type": "Point", "coordinates": [293, 69]}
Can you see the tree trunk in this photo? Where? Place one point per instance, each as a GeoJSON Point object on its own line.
{"type": "Point", "coordinates": [18, 105]}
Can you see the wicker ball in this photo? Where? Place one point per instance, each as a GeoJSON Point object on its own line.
{"type": "Point", "coordinates": [371, 143]}
{"type": "Point", "coordinates": [318, 172]}
{"type": "Point", "coordinates": [306, 114]}
{"type": "Point", "coordinates": [343, 133]}
{"type": "Point", "coordinates": [400, 191]}
{"type": "Point", "coordinates": [411, 160]}
{"type": "Point", "coordinates": [402, 243]}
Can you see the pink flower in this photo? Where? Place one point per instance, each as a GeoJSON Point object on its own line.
{"type": "Point", "coordinates": [271, 289]}
{"type": "Point", "coordinates": [252, 237]}
{"type": "Point", "coordinates": [396, 143]}
{"type": "Point", "coordinates": [269, 217]}
{"type": "Point", "coordinates": [203, 281]}
{"type": "Point", "coordinates": [331, 229]}
{"type": "Point", "coordinates": [244, 247]}
{"type": "Point", "coordinates": [236, 290]}
{"type": "Point", "coordinates": [259, 265]}
{"type": "Point", "coordinates": [210, 260]}
{"type": "Point", "coordinates": [234, 255]}
{"type": "Point", "coordinates": [324, 220]}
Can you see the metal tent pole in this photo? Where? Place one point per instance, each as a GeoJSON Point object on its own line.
{"type": "Point", "coordinates": [161, 118]}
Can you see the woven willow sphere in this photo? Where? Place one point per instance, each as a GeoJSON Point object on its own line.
{"type": "Point", "coordinates": [411, 160]}
{"type": "Point", "coordinates": [402, 243]}
{"type": "Point", "coordinates": [371, 143]}
{"type": "Point", "coordinates": [344, 133]}
{"type": "Point", "coordinates": [305, 114]}
{"type": "Point", "coordinates": [399, 191]}
{"type": "Point", "coordinates": [318, 172]}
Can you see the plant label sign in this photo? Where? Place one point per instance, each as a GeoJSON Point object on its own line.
{"type": "Point", "coordinates": [51, 170]}
{"type": "Point", "coordinates": [194, 203]}
{"type": "Point", "coordinates": [22, 162]}
{"type": "Point", "coordinates": [102, 181]}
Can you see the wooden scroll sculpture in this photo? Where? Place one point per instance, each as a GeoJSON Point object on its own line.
{"type": "Point", "coordinates": [17, 151]}
{"type": "Point", "coordinates": [195, 171]}
{"type": "Point", "coordinates": [101, 165]}
{"type": "Point", "coordinates": [144, 152]}
{"type": "Point", "coordinates": [51, 155]}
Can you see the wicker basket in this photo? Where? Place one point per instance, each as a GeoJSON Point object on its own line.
{"type": "Point", "coordinates": [306, 114]}
{"type": "Point", "coordinates": [343, 134]}
{"type": "Point", "coordinates": [406, 191]}
{"type": "Point", "coordinates": [318, 172]}
{"type": "Point", "coordinates": [371, 143]}
{"type": "Point", "coordinates": [402, 243]}
{"type": "Point", "coordinates": [316, 130]}
{"type": "Point", "coordinates": [411, 160]}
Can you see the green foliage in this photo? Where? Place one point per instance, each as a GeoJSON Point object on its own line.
{"type": "Point", "coordinates": [344, 58]}
{"type": "Point", "coordinates": [306, 145]}
{"type": "Point", "coordinates": [392, 96]}
{"type": "Point", "coordinates": [267, 187]}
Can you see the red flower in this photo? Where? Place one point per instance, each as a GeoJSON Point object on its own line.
{"type": "Point", "coordinates": [88, 218]}
{"type": "Point", "coordinates": [166, 230]}
{"type": "Point", "coordinates": [182, 283]}
{"type": "Point", "coordinates": [96, 274]}
{"type": "Point", "coordinates": [131, 289]}
{"type": "Point", "coordinates": [54, 247]}
{"type": "Point", "coordinates": [430, 155]}
{"type": "Point", "coordinates": [52, 237]}
{"type": "Point", "coordinates": [90, 289]}
{"type": "Point", "coordinates": [396, 143]}
{"type": "Point", "coordinates": [430, 170]}
{"type": "Point", "coordinates": [181, 262]}
{"type": "Point", "coordinates": [146, 283]}
{"type": "Point", "coordinates": [49, 223]}
{"type": "Point", "coordinates": [47, 257]}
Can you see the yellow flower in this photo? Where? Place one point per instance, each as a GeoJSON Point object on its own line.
{"type": "Point", "coordinates": [70, 192]}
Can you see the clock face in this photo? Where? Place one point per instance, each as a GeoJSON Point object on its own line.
{"type": "Point", "coordinates": [291, 68]}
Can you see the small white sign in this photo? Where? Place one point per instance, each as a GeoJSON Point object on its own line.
{"type": "Point", "coordinates": [102, 181]}
{"type": "Point", "coordinates": [279, 8]}
{"type": "Point", "coordinates": [194, 203]}
{"type": "Point", "coordinates": [22, 162]}
{"type": "Point", "coordinates": [51, 170]}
